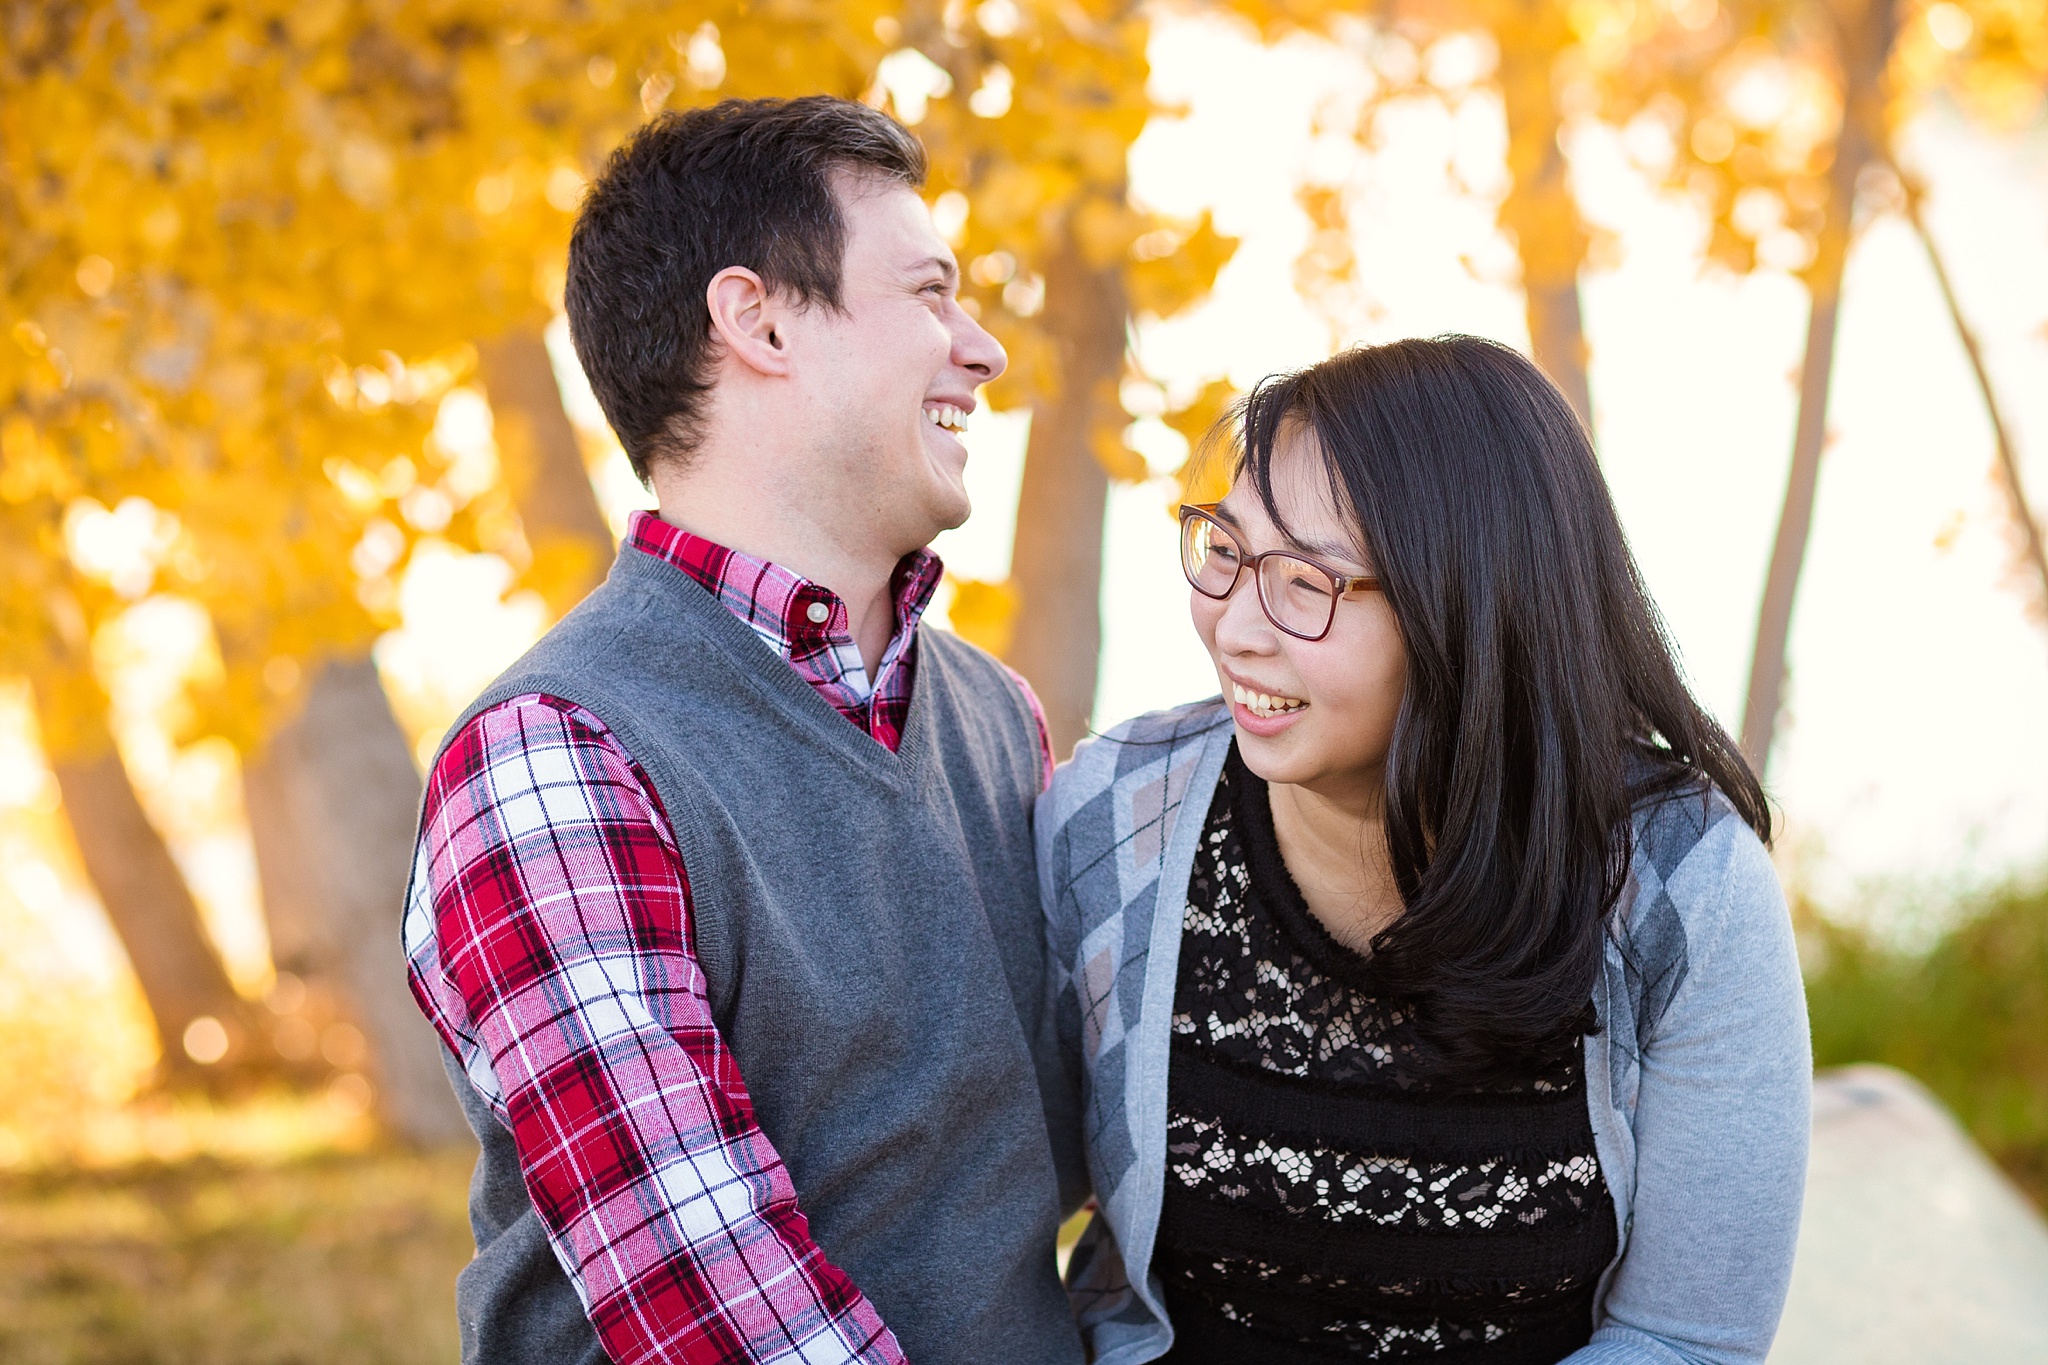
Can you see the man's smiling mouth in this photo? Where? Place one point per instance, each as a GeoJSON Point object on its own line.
{"type": "Point", "coordinates": [947, 417]}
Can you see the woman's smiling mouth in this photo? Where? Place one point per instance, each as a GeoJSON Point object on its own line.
{"type": "Point", "coordinates": [1265, 705]}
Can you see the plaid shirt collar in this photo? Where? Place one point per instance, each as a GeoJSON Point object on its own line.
{"type": "Point", "coordinates": [800, 620]}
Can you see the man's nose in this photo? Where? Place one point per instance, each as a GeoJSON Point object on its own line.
{"type": "Point", "coordinates": [975, 349]}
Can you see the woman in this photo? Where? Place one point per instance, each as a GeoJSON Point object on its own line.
{"type": "Point", "coordinates": [1433, 997]}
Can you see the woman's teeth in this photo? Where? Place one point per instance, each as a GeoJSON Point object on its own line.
{"type": "Point", "coordinates": [947, 416]}
{"type": "Point", "coordinates": [1264, 705]}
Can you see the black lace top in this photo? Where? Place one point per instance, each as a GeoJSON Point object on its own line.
{"type": "Point", "coordinates": [1320, 1205]}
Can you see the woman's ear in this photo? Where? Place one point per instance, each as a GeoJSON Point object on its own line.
{"type": "Point", "coordinates": [746, 318]}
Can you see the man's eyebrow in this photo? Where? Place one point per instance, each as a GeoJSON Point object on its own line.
{"type": "Point", "coordinates": [943, 264]}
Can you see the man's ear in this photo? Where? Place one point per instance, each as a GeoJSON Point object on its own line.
{"type": "Point", "coordinates": [747, 320]}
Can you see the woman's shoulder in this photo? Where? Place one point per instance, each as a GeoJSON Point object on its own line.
{"type": "Point", "coordinates": [1675, 814]}
{"type": "Point", "coordinates": [1155, 736]}
{"type": "Point", "coordinates": [1699, 878]}
{"type": "Point", "coordinates": [1175, 724]}
{"type": "Point", "coordinates": [1687, 832]}
{"type": "Point", "coordinates": [1158, 742]}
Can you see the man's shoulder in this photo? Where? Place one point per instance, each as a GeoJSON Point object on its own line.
{"type": "Point", "coordinates": [618, 637]}
{"type": "Point", "coordinates": [986, 687]}
{"type": "Point", "coordinates": [614, 613]}
{"type": "Point", "coordinates": [969, 661]}
{"type": "Point", "coordinates": [523, 722]}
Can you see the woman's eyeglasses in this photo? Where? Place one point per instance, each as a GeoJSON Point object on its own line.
{"type": "Point", "coordinates": [1297, 594]}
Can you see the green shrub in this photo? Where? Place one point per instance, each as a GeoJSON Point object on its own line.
{"type": "Point", "coordinates": [1969, 1018]}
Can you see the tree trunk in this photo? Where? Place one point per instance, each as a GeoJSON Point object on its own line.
{"type": "Point", "coordinates": [291, 899]}
{"type": "Point", "coordinates": [544, 470]}
{"type": "Point", "coordinates": [2022, 514]}
{"type": "Point", "coordinates": [350, 788]}
{"type": "Point", "coordinates": [144, 894]}
{"type": "Point", "coordinates": [1865, 47]}
{"type": "Point", "coordinates": [1550, 236]}
{"type": "Point", "coordinates": [1558, 338]}
{"type": "Point", "coordinates": [1056, 567]}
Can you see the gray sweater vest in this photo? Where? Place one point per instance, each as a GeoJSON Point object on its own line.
{"type": "Point", "coordinates": [868, 924]}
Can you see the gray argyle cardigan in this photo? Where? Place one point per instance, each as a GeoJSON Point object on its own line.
{"type": "Point", "coordinates": [1697, 1082]}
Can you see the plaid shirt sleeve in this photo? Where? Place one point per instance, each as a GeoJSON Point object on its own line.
{"type": "Point", "coordinates": [1045, 759]}
{"type": "Point", "coordinates": [550, 942]}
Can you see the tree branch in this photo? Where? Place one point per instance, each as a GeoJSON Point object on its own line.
{"type": "Point", "coordinates": [1913, 193]}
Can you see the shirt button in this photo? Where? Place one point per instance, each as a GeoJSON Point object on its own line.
{"type": "Point", "coordinates": [817, 611]}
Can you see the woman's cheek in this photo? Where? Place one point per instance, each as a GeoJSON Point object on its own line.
{"type": "Point", "coordinates": [1357, 681]}
{"type": "Point", "coordinates": [1334, 691]}
{"type": "Point", "coordinates": [1389, 687]}
{"type": "Point", "coordinates": [1205, 611]}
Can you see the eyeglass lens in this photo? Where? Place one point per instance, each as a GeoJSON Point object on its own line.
{"type": "Point", "coordinates": [1299, 597]}
{"type": "Point", "coordinates": [1211, 559]}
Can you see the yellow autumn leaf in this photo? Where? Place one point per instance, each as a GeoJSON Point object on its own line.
{"type": "Point", "coordinates": [983, 613]}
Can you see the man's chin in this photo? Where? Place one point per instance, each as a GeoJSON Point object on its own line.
{"type": "Point", "coordinates": [923, 513]}
{"type": "Point", "coordinates": [947, 500]}
{"type": "Point", "coordinates": [950, 512]}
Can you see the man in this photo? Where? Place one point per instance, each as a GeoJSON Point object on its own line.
{"type": "Point", "coordinates": [724, 902]}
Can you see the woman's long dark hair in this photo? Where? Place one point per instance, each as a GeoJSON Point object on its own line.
{"type": "Point", "coordinates": [1543, 701]}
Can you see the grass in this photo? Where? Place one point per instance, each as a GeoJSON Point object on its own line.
{"type": "Point", "coordinates": [1969, 1018]}
{"type": "Point", "coordinates": [346, 1258]}
{"type": "Point", "coordinates": [336, 1260]}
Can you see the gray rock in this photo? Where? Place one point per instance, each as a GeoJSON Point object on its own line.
{"type": "Point", "coordinates": [1914, 1248]}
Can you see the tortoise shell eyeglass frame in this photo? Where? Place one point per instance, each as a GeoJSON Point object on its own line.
{"type": "Point", "coordinates": [1198, 519]}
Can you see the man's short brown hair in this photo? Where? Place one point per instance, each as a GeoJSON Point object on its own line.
{"type": "Point", "coordinates": [743, 183]}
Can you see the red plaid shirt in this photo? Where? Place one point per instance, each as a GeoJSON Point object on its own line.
{"type": "Point", "coordinates": [549, 937]}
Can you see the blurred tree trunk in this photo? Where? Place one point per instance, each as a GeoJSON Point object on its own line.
{"type": "Point", "coordinates": [1550, 236]}
{"type": "Point", "coordinates": [1056, 567]}
{"type": "Point", "coordinates": [145, 895]}
{"type": "Point", "coordinates": [544, 470]}
{"type": "Point", "coordinates": [333, 796]}
{"type": "Point", "coordinates": [1864, 35]}
{"type": "Point", "coordinates": [291, 899]}
{"type": "Point", "coordinates": [350, 795]}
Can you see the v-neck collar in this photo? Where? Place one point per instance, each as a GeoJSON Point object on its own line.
{"type": "Point", "coordinates": [756, 664]}
{"type": "Point", "coordinates": [804, 622]}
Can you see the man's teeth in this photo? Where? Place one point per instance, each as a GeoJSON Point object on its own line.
{"type": "Point", "coordinates": [1264, 704]}
{"type": "Point", "coordinates": [947, 416]}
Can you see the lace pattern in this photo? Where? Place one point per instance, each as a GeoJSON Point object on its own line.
{"type": "Point", "coordinates": [1347, 1184]}
{"type": "Point", "coordinates": [1254, 995]}
{"type": "Point", "coordinates": [1318, 1196]}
